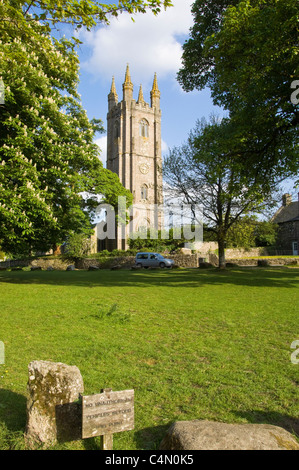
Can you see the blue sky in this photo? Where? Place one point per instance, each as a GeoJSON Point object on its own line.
{"type": "Point", "coordinates": [151, 44]}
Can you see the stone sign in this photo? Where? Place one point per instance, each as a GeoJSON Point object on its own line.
{"type": "Point", "coordinates": [107, 413]}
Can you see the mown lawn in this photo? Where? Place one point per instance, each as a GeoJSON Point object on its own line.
{"type": "Point", "coordinates": [193, 344]}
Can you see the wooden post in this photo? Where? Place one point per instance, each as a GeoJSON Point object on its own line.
{"type": "Point", "coordinates": [106, 439]}
{"type": "Point", "coordinates": [107, 442]}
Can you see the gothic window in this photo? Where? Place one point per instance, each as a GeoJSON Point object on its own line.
{"type": "Point", "coordinates": [143, 128]}
{"type": "Point", "coordinates": [144, 191]}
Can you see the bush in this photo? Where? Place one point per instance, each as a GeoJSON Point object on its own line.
{"type": "Point", "coordinates": [77, 245]}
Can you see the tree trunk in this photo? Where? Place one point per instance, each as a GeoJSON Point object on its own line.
{"type": "Point", "coordinates": [56, 249]}
{"type": "Point", "coordinates": [221, 253]}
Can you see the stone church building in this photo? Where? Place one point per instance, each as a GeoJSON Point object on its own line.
{"type": "Point", "coordinates": [134, 154]}
{"type": "Point", "coordinates": [287, 218]}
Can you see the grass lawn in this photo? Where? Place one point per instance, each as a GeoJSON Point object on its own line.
{"type": "Point", "coordinates": [193, 344]}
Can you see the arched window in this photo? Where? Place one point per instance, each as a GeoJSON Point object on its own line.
{"type": "Point", "coordinates": [143, 128]}
{"type": "Point", "coordinates": [144, 191]}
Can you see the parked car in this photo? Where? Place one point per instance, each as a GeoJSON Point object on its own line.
{"type": "Point", "coordinates": [147, 260]}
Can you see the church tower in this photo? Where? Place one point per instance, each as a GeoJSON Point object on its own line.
{"type": "Point", "coordinates": [134, 151]}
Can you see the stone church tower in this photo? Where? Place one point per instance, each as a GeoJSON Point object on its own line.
{"type": "Point", "coordinates": [134, 152]}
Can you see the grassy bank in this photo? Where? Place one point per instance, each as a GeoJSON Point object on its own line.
{"type": "Point", "coordinates": [193, 344]}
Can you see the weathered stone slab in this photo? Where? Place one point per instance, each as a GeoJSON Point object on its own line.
{"type": "Point", "coordinates": [208, 435]}
{"type": "Point", "coordinates": [71, 267]}
{"type": "Point", "coordinates": [53, 410]}
{"type": "Point", "coordinates": [116, 267]}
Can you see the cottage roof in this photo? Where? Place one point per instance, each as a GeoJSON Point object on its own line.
{"type": "Point", "coordinates": [287, 213]}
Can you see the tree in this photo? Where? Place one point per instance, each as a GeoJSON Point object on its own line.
{"type": "Point", "coordinates": [77, 245]}
{"type": "Point", "coordinates": [241, 233]}
{"type": "Point", "coordinates": [202, 172]}
{"type": "Point", "coordinates": [265, 233]}
{"type": "Point", "coordinates": [47, 151]}
{"type": "Point", "coordinates": [246, 51]}
{"type": "Point", "coordinates": [86, 13]}
{"type": "Point", "coordinates": [47, 155]}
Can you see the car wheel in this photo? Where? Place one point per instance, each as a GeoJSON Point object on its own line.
{"type": "Point", "coordinates": [162, 265]}
{"type": "Point", "coordinates": [139, 265]}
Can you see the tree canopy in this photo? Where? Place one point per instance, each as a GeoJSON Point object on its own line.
{"type": "Point", "coordinates": [86, 13]}
{"type": "Point", "coordinates": [203, 172]}
{"type": "Point", "coordinates": [48, 158]}
{"type": "Point", "coordinates": [246, 51]}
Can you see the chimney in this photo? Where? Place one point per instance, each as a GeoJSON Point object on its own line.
{"type": "Point", "coordinates": [286, 199]}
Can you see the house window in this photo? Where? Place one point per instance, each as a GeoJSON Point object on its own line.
{"type": "Point", "coordinates": [143, 128]}
{"type": "Point", "coordinates": [144, 191]}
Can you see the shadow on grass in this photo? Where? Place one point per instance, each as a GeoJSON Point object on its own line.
{"type": "Point", "coordinates": [289, 423]}
{"type": "Point", "coordinates": [192, 278]}
{"type": "Point", "coordinates": [151, 438]}
{"type": "Point", "coordinates": [12, 410]}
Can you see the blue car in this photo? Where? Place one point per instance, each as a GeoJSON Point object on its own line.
{"type": "Point", "coordinates": [154, 260]}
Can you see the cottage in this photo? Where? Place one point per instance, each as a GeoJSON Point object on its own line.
{"type": "Point", "coordinates": [287, 217]}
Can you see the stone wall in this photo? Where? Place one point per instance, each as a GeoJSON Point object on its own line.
{"type": "Point", "coordinates": [234, 253]}
{"type": "Point", "coordinates": [181, 260]}
{"type": "Point", "coordinates": [184, 261]}
{"type": "Point", "coordinates": [203, 248]}
{"type": "Point", "coordinates": [14, 264]}
{"type": "Point", "coordinates": [263, 262]}
{"type": "Point", "coordinates": [55, 263]}
{"type": "Point", "coordinates": [106, 262]}
{"type": "Point", "coordinates": [44, 263]}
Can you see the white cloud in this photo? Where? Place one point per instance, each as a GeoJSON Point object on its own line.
{"type": "Point", "coordinates": [164, 147]}
{"type": "Point", "coordinates": [102, 143]}
{"type": "Point", "coordinates": [150, 44]}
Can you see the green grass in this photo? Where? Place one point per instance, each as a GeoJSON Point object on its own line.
{"type": "Point", "coordinates": [193, 344]}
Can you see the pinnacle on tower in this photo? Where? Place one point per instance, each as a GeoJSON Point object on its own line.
{"type": "Point", "coordinates": [113, 89]}
{"type": "Point", "coordinates": [113, 93]}
{"type": "Point", "coordinates": [127, 85]}
{"type": "Point", "coordinates": [140, 96]}
{"type": "Point", "coordinates": [155, 93]}
{"type": "Point", "coordinates": [155, 90]}
{"type": "Point", "coordinates": [127, 77]}
{"type": "Point", "coordinates": [112, 97]}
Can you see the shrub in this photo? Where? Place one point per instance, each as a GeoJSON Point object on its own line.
{"type": "Point", "coordinates": [77, 245]}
